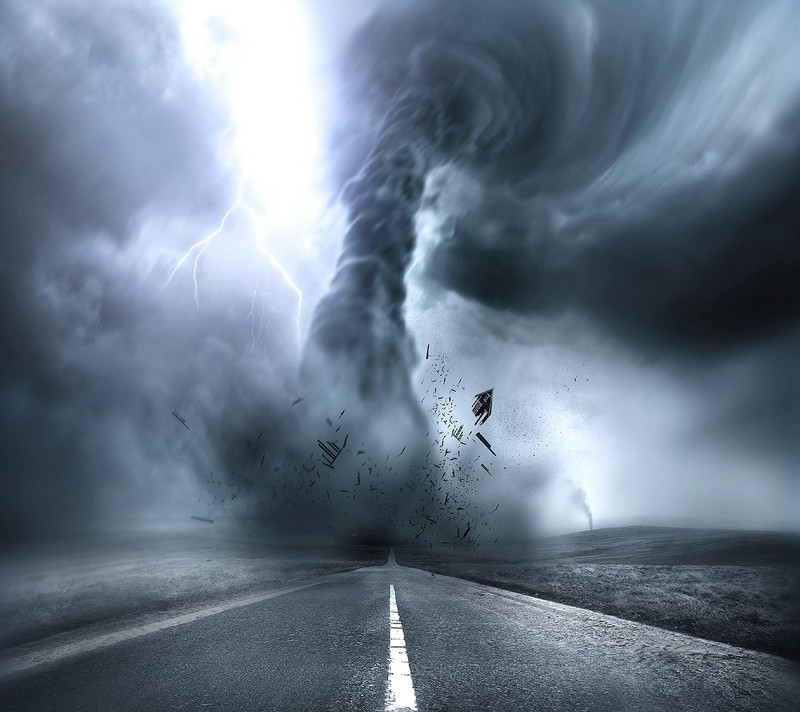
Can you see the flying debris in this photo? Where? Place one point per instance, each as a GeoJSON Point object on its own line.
{"type": "Point", "coordinates": [428, 352]}
{"type": "Point", "coordinates": [482, 406]}
{"type": "Point", "coordinates": [486, 443]}
{"type": "Point", "coordinates": [203, 519]}
{"type": "Point", "coordinates": [179, 417]}
{"type": "Point", "coordinates": [485, 468]}
{"type": "Point", "coordinates": [301, 398]}
{"type": "Point", "coordinates": [458, 432]}
{"type": "Point", "coordinates": [330, 451]}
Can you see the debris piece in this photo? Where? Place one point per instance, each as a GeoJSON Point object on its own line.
{"type": "Point", "coordinates": [203, 519]}
{"type": "Point", "coordinates": [298, 400]}
{"type": "Point", "coordinates": [482, 406]}
{"type": "Point", "coordinates": [331, 451]}
{"type": "Point", "coordinates": [179, 417]}
{"type": "Point", "coordinates": [486, 443]}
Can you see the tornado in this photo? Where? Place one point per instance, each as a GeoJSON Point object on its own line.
{"type": "Point", "coordinates": [431, 84]}
{"type": "Point", "coordinates": [358, 327]}
{"type": "Point", "coordinates": [625, 154]}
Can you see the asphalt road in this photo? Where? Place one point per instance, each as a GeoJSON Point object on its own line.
{"type": "Point", "coordinates": [335, 645]}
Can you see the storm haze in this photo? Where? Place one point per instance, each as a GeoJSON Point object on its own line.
{"type": "Point", "coordinates": [292, 226]}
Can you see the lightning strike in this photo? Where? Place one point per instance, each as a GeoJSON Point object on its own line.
{"type": "Point", "coordinates": [198, 249]}
{"type": "Point", "coordinates": [201, 247]}
{"type": "Point", "coordinates": [255, 333]}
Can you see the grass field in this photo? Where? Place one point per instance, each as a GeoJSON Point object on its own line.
{"type": "Point", "coordinates": [54, 589]}
{"type": "Point", "coordinates": [735, 587]}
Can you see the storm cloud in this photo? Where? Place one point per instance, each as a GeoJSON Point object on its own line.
{"type": "Point", "coordinates": [632, 161]}
{"type": "Point", "coordinates": [628, 163]}
{"type": "Point", "coordinates": [564, 198]}
{"type": "Point", "coordinates": [108, 142]}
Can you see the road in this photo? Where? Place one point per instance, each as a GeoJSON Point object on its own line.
{"type": "Point", "coordinates": [390, 638]}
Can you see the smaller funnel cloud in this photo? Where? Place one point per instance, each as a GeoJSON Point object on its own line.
{"type": "Point", "coordinates": [578, 499]}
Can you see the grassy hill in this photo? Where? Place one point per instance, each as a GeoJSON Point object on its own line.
{"type": "Point", "coordinates": [737, 587]}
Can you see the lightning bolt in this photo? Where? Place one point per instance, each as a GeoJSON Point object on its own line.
{"type": "Point", "coordinates": [198, 249]}
{"type": "Point", "coordinates": [251, 316]}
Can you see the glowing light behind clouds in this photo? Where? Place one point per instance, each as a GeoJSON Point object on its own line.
{"type": "Point", "coordinates": [260, 58]}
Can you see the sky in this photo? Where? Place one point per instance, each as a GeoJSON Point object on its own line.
{"type": "Point", "coordinates": [264, 217]}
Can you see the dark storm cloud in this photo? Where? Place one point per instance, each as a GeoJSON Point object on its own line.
{"type": "Point", "coordinates": [754, 402]}
{"type": "Point", "coordinates": [630, 163]}
{"type": "Point", "coordinates": [108, 145]}
{"type": "Point", "coordinates": [89, 140]}
{"type": "Point", "coordinates": [109, 172]}
{"type": "Point", "coordinates": [633, 161]}
{"type": "Point", "coordinates": [100, 123]}
{"type": "Point", "coordinates": [88, 91]}
{"type": "Point", "coordinates": [540, 135]}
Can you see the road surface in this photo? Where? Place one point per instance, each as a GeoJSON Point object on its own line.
{"type": "Point", "coordinates": [392, 638]}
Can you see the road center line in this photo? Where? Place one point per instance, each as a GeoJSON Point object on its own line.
{"type": "Point", "coordinates": [29, 661]}
{"type": "Point", "coordinates": [400, 688]}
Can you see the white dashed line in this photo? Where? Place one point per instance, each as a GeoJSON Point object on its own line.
{"type": "Point", "coordinates": [400, 689]}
